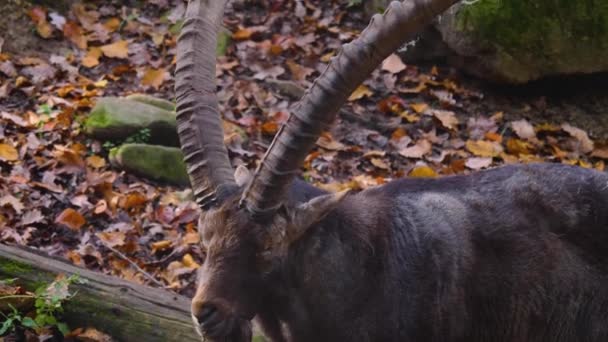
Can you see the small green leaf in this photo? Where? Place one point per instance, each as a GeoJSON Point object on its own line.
{"type": "Point", "coordinates": [29, 323]}
{"type": "Point", "coordinates": [8, 324]}
{"type": "Point", "coordinates": [63, 328]}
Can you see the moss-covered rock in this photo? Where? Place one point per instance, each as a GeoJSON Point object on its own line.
{"type": "Point", "coordinates": [520, 40]}
{"type": "Point", "coordinates": [116, 119]}
{"type": "Point", "coordinates": [159, 163]}
{"type": "Point", "coordinates": [153, 101]}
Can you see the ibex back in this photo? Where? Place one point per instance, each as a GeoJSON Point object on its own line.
{"type": "Point", "coordinates": [518, 253]}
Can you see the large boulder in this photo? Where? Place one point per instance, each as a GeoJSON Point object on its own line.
{"type": "Point", "coordinates": [159, 163]}
{"type": "Point", "coordinates": [116, 119]}
{"type": "Point", "coordinates": [518, 41]}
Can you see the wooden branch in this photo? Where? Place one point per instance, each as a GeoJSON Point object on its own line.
{"type": "Point", "coordinates": [124, 310]}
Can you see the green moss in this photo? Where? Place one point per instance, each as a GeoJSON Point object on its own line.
{"type": "Point", "coordinates": [223, 41]}
{"type": "Point", "coordinates": [165, 164]}
{"type": "Point", "coordinates": [14, 267]}
{"type": "Point", "coordinates": [542, 34]}
{"type": "Point", "coordinates": [116, 119]}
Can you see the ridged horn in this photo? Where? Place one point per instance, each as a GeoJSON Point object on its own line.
{"type": "Point", "coordinates": [199, 123]}
{"type": "Point", "coordinates": [319, 105]}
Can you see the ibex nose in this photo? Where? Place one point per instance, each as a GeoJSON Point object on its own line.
{"type": "Point", "coordinates": [205, 312]}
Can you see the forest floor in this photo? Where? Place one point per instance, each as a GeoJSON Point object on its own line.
{"type": "Point", "coordinates": [58, 192]}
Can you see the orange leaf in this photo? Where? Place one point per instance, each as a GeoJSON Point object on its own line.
{"type": "Point", "coordinates": [119, 49]}
{"type": "Point", "coordinates": [270, 127]}
{"type": "Point", "coordinates": [153, 77]}
{"type": "Point", "coordinates": [91, 59]}
{"type": "Point", "coordinates": [8, 152]}
{"type": "Point", "coordinates": [242, 34]}
{"type": "Point", "coordinates": [71, 219]}
{"type": "Point", "coordinates": [74, 33]}
{"type": "Point", "coordinates": [96, 162]}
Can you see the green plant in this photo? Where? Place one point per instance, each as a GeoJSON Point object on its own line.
{"type": "Point", "coordinates": [48, 304]}
{"type": "Point", "coordinates": [141, 137]}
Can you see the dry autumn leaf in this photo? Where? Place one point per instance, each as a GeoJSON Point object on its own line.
{"type": "Point", "coordinates": [8, 152]}
{"type": "Point", "coordinates": [482, 148]}
{"type": "Point", "coordinates": [447, 118]}
{"type": "Point", "coordinates": [91, 59]}
{"type": "Point", "coordinates": [38, 16]}
{"type": "Point", "coordinates": [417, 151]}
{"type": "Point", "coordinates": [523, 129]}
{"type": "Point", "coordinates": [393, 64]}
{"type": "Point", "coordinates": [119, 49]}
{"type": "Point", "coordinates": [153, 77]}
{"type": "Point", "coordinates": [75, 34]}
{"type": "Point", "coordinates": [585, 144]}
{"type": "Point", "coordinates": [476, 163]}
{"type": "Point", "coordinates": [242, 34]}
{"type": "Point", "coordinates": [359, 93]}
{"type": "Point", "coordinates": [71, 219]}
{"type": "Point", "coordinates": [96, 162]}
{"type": "Point", "coordinates": [419, 107]}
{"type": "Point", "coordinates": [161, 245]}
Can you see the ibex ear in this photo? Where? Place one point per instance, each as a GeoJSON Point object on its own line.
{"type": "Point", "coordinates": [307, 214]}
{"type": "Point", "coordinates": [242, 175]}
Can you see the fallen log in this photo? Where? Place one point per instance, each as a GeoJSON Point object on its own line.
{"type": "Point", "coordinates": [123, 310]}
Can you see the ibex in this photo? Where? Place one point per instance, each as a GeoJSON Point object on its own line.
{"type": "Point", "coordinates": [517, 253]}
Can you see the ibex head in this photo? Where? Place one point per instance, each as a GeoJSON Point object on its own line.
{"type": "Point", "coordinates": [248, 225]}
{"type": "Point", "coordinates": [241, 253]}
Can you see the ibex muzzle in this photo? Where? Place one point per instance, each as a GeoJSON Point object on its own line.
{"type": "Point", "coordinates": [518, 253]}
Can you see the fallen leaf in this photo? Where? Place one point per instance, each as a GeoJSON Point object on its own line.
{"type": "Point", "coordinates": [419, 107]}
{"type": "Point", "coordinates": [89, 335]}
{"type": "Point", "coordinates": [422, 172]}
{"type": "Point", "coordinates": [119, 49]}
{"type": "Point", "coordinates": [518, 147]}
{"type": "Point", "coordinates": [484, 148]}
{"type": "Point", "coordinates": [393, 64]}
{"type": "Point", "coordinates": [447, 118]}
{"type": "Point", "coordinates": [327, 142]}
{"type": "Point", "coordinates": [91, 59]}
{"type": "Point", "coordinates": [112, 239]}
{"type": "Point", "coordinates": [380, 163]}
{"type": "Point", "coordinates": [417, 151]}
{"type": "Point", "coordinates": [75, 34]}
{"type": "Point", "coordinates": [359, 93]}
{"type": "Point", "coordinates": [188, 261]}
{"type": "Point", "coordinates": [586, 145]}
{"type": "Point", "coordinates": [71, 219]}
{"type": "Point", "coordinates": [161, 245]}
{"type": "Point", "coordinates": [478, 163]}
{"type": "Point", "coordinates": [242, 34]}
{"type": "Point", "coordinates": [38, 16]}
{"type": "Point", "coordinates": [153, 77]}
{"type": "Point", "coordinates": [96, 162]}
{"type": "Point", "coordinates": [600, 152]}
{"type": "Point", "coordinates": [523, 129]}
{"type": "Point", "coordinates": [8, 152]}
{"type": "Point", "coordinates": [13, 201]}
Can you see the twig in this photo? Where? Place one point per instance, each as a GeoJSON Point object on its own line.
{"type": "Point", "coordinates": [139, 269]}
